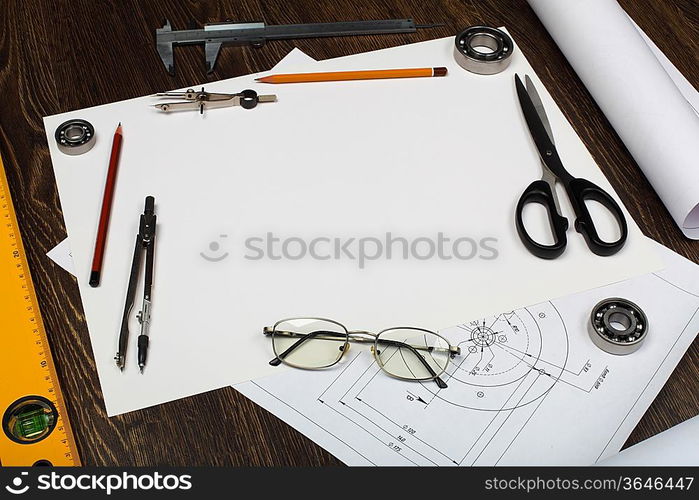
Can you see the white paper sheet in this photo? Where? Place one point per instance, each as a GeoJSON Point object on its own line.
{"type": "Point", "coordinates": [677, 446]}
{"type": "Point", "coordinates": [62, 256]}
{"type": "Point", "coordinates": [413, 158]}
{"type": "Point", "coordinates": [638, 97]}
{"type": "Point", "coordinates": [539, 393]}
{"type": "Point", "coordinates": [170, 374]}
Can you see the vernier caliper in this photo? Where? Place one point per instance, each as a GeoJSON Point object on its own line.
{"type": "Point", "coordinates": [213, 36]}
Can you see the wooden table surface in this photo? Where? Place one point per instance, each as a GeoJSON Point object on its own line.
{"type": "Point", "coordinates": [60, 55]}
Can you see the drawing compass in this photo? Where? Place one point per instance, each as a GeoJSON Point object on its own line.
{"type": "Point", "coordinates": [145, 243]}
{"type": "Point", "coordinates": [192, 99]}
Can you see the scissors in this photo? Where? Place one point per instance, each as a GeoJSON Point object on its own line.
{"type": "Point", "coordinates": [543, 191]}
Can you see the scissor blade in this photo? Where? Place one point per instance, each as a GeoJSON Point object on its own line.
{"type": "Point", "coordinates": [539, 106]}
{"type": "Point", "coordinates": [536, 126]}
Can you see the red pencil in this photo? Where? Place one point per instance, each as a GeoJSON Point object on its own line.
{"type": "Point", "coordinates": [96, 270]}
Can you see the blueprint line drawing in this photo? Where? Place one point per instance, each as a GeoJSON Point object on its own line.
{"type": "Point", "coordinates": [506, 365]}
{"type": "Point", "coordinates": [529, 388]}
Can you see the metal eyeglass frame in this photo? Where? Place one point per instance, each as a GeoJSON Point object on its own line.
{"type": "Point", "coordinates": [360, 336]}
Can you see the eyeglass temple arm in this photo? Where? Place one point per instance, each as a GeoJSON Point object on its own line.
{"type": "Point", "coordinates": [361, 336]}
{"type": "Point", "coordinates": [357, 336]}
{"type": "Point", "coordinates": [396, 343]}
{"type": "Point", "coordinates": [278, 359]}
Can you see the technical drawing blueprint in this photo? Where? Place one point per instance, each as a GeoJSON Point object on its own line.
{"type": "Point", "coordinates": [529, 388]}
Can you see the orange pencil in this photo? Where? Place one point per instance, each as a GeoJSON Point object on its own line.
{"type": "Point", "coordinates": [353, 75]}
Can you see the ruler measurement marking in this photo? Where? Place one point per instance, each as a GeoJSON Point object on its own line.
{"type": "Point", "coordinates": [23, 277]}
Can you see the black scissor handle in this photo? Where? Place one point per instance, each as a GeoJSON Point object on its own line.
{"type": "Point", "coordinates": [540, 192]}
{"type": "Point", "coordinates": [580, 190]}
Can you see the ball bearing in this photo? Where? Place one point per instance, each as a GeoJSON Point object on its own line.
{"type": "Point", "coordinates": [75, 137]}
{"type": "Point", "coordinates": [469, 53]}
{"type": "Point", "coordinates": [618, 326]}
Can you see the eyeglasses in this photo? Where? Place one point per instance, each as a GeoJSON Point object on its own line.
{"type": "Point", "coordinates": [406, 353]}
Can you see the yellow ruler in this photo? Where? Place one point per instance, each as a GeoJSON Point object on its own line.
{"type": "Point", "coordinates": [35, 427]}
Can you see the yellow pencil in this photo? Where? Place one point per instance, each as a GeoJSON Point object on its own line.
{"type": "Point", "coordinates": [353, 75]}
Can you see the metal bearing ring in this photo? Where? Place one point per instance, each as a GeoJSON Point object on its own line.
{"type": "Point", "coordinates": [75, 137]}
{"type": "Point", "coordinates": [618, 326]}
{"type": "Point", "coordinates": [469, 57]}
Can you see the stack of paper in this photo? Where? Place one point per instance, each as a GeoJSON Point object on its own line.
{"type": "Point", "coordinates": [408, 187]}
{"type": "Point", "coordinates": [302, 207]}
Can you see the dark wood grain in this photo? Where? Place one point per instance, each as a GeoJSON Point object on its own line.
{"type": "Point", "coordinates": [60, 55]}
